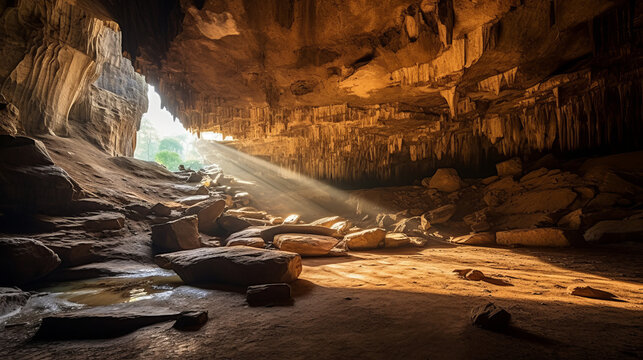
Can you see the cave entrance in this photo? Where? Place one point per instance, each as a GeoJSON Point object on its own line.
{"type": "Point", "coordinates": [162, 138]}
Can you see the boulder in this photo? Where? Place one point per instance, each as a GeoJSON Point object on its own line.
{"type": "Point", "coordinates": [550, 200]}
{"type": "Point", "coordinates": [104, 221]}
{"type": "Point", "coordinates": [305, 244]}
{"type": "Point", "coordinates": [269, 295]}
{"type": "Point", "coordinates": [491, 317]}
{"type": "Point", "coordinates": [238, 265]}
{"type": "Point", "coordinates": [161, 210]}
{"type": "Point", "coordinates": [30, 181]}
{"type": "Point", "coordinates": [365, 239]}
{"type": "Point", "coordinates": [101, 322]}
{"type": "Point", "coordinates": [194, 177]}
{"type": "Point", "coordinates": [341, 227]}
{"type": "Point", "coordinates": [232, 224]}
{"type": "Point", "coordinates": [191, 320]}
{"type": "Point", "coordinates": [255, 242]}
{"type": "Point", "coordinates": [523, 221]}
{"type": "Point", "coordinates": [554, 237]}
{"type": "Point", "coordinates": [484, 238]}
{"type": "Point", "coordinates": [573, 220]}
{"type": "Point", "coordinates": [441, 214]}
{"type": "Point", "coordinates": [24, 260]}
{"type": "Point", "coordinates": [445, 180]}
{"type": "Point", "coordinates": [603, 200]}
{"type": "Point", "coordinates": [176, 235]}
{"type": "Point", "coordinates": [396, 240]}
{"type": "Point", "coordinates": [386, 221]}
{"type": "Point", "coordinates": [510, 167]}
{"type": "Point", "coordinates": [630, 229]}
{"type": "Point", "coordinates": [207, 214]}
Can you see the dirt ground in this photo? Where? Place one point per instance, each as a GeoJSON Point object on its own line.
{"type": "Point", "coordinates": [382, 304]}
{"type": "Point", "coordinates": [403, 304]}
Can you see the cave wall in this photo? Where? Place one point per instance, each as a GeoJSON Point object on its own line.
{"type": "Point", "coordinates": [363, 92]}
{"type": "Point", "coordinates": [62, 73]}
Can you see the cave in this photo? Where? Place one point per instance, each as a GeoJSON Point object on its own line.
{"type": "Point", "coordinates": [319, 179]}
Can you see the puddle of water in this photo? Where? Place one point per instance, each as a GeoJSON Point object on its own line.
{"type": "Point", "coordinates": [114, 290]}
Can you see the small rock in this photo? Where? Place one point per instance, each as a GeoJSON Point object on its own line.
{"type": "Point", "coordinates": [445, 180]}
{"type": "Point", "coordinates": [491, 317]}
{"type": "Point", "coordinates": [590, 292]}
{"type": "Point", "coordinates": [328, 221]}
{"type": "Point", "coordinates": [474, 275]}
{"type": "Point", "coordinates": [180, 234]}
{"type": "Point", "coordinates": [194, 177]}
{"type": "Point", "coordinates": [191, 320]}
{"type": "Point", "coordinates": [291, 219]}
{"type": "Point", "coordinates": [510, 167]}
{"type": "Point", "coordinates": [161, 210]}
{"type": "Point", "coordinates": [365, 239]}
{"type": "Point", "coordinates": [441, 214]}
{"type": "Point", "coordinates": [572, 220]}
{"type": "Point", "coordinates": [269, 295]}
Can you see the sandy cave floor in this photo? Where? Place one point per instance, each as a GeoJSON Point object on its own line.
{"type": "Point", "coordinates": [402, 304]}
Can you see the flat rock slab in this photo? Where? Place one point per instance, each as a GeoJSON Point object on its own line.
{"type": "Point", "coordinates": [255, 242]}
{"type": "Point", "coordinates": [538, 201]}
{"type": "Point", "coordinates": [237, 265]}
{"type": "Point", "coordinates": [536, 237]}
{"type": "Point", "coordinates": [305, 244]}
{"type": "Point", "coordinates": [104, 221]}
{"type": "Point", "coordinates": [475, 239]}
{"type": "Point", "coordinates": [101, 323]}
{"type": "Point", "coordinates": [192, 200]}
{"type": "Point", "coordinates": [396, 240]}
{"type": "Point", "coordinates": [268, 233]}
{"type": "Point", "coordinates": [590, 292]}
{"type": "Point", "coordinates": [269, 295]}
{"type": "Point", "coordinates": [615, 230]}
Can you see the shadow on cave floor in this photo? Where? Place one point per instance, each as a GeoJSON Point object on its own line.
{"type": "Point", "coordinates": [348, 322]}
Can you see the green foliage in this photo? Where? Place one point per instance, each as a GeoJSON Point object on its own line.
{"type": "Point", "coordinates": [193, 164]}
{"type": "Point", "coordinates": [171, 144]}
{"type": "Point", "coordinates": [170, 159]}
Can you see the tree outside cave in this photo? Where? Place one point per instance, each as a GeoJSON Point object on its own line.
{"type": "Point", "coordinates": [162, 139]}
